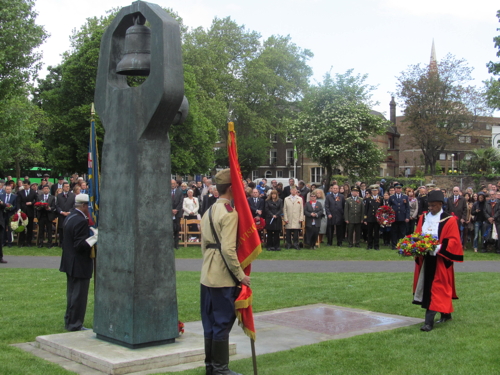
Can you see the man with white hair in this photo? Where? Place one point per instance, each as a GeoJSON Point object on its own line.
{"type": "Point", "coordinates": [77, 263]}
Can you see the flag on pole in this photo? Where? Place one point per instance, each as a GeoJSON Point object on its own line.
{"type": "Point", "coordinates": [249, 244]}
{"type": "Point", "coordinates": [93, 173]}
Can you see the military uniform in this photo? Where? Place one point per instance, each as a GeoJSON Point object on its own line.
{"type": "Point", "coordinates": [372, 205]}
{"type": "Point", "coordinates": [354, 213]}
{"type": "Point", "coordinates": [401, 206]}
{"type": "Point", "coordinates": [218, 289]}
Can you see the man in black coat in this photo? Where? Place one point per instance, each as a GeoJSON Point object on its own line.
{"type": "Point", "coordinates": [334, 207]}
{"type": "Point", "coordinates": [457, 205]}
{"type": "Point", "coordinates": [256, 204]}
{"type": "Point", "coordinates": [77, 263]}
{"type": "Point", "coordinates": [10, 200]}
{"type": "Point", "coordinates": [177, 201]}
{"type": "Point", "coordinates": [65, 202]}
{"type": "Point", "coordinates": [26, 200]}
{"type": "Point", "coordinates": [45, 215]}
{"type": "Point", "coordinates": [2, 230]}
{"type": "Point", "coordinates": [59, 185]}
{"type": "Point", "coordinates": [209, 199]}
{"type": "Point", "coordinates": [372, 204]}
{"type": "Point", "coordinates": [400, 203]}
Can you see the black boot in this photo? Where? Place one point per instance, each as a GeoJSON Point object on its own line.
{"type": "Point", "coordinates": [444, 318]}
{"type": "Point", "coordinates": [429, 321]}
{"type": "Point", "coordinates": [220, 358]}
{"type": "Point", "coordinates": [208, 357]}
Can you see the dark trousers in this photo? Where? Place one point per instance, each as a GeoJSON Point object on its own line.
{"type": "Point", "coordinates": [77, 291]}
{"type": "Point", "coordinates": [373, 230]}
{"type": "Point", "coordinates": [1, 242]}
{"type": "Point", "coordinates": [398, 230]}
{"type": "Point", "coordinates": [217, 312]}
{"type": "Point", "coordinates": [386, 235]}
{"type": "Point", "coordinates": [295, 234]}
{"type": "Point", "coordinates": [44, 226]}
{"type": "Point", "coordinates": [273, 239]}
{"type": "Point", "coordinates": [8, 232]}
{"type": "Point", "coordinates": [340, 232]}
{"type": "Point", "coordinates": [410, 226]}
{"type": "Point", "coordinates": [176, 228]}
{"type": "Point", "coordinates": [311, 235]}
{"type": "Point", "coordinates": [60, 231]}
{"type": "Point", "coordinates": [356, 230]}
{"type": "Point", "coordinates": [26, 237]}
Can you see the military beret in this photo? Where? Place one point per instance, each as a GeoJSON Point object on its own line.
{"type": "Point", "coordinates": [223, 177]}
{"type": "Point", "coordinates": [435, 196]}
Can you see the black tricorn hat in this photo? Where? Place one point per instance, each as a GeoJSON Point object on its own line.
{"type": "Point", "coordinates": [435, 196]}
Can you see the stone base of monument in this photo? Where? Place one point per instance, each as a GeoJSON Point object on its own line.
{"type": "Point", "coordinates": [83, 347]}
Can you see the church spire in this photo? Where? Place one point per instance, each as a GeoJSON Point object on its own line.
{"type": "Point", "coordinates": [433, 62]}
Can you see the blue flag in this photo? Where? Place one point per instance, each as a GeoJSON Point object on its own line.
{"type": "Point", "coordinates": [93, 176]}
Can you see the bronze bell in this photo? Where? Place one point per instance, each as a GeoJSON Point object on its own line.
{"type": "Point", "coordinates": [137, 58]}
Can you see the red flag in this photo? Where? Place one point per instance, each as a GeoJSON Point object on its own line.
{"type": "Point", "coordinates": [249, 245]}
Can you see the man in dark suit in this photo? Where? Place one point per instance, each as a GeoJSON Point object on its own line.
{"type": "Point", "coordinates": [256, 204]}
{"type": "Point", "coordinates": [286, 189]}
{"type": "Point", "coordinates": [65, 202]}
{"type": "Point", "coordinates": [77, 263]}
{"type": "Point", "coordinates": [400, 203]}
{"type": "Point", "coordinates": [177, 201]}
{"type": "Point", "coordinates": [2, 230]}
{"type": "Point", "coordinates": [59, 185]}
{"type": "Point", "coordinates": [457, 205]}
{"type": "Point", "coordinates": [45, 216]}
{"type": "Point", "coordinates": [353, 215]}
{"type": "Point", "coordinates": [10, 200]}
{"type": "Point", "coordinates": [334, 207]}
{"type": "Point", "coordinates": [209, 199]}
{"type": "Point", "coordinates": [313, 211]}
{"type": "Point", "coordinates": [26, 200]}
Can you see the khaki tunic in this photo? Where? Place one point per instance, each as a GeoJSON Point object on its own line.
{"type": "Point", "coordinates": [354, 211]}
{"type": "Point", "coordinates": [293, 212]}
{"type": "Point", "coordinates": [214, 273]}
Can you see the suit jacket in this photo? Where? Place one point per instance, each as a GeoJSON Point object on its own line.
{"type": "Point", "coordinates": [75, 260]}
{"type": "Point", "coordinates": [54, 187]}
{"type": "Point", "coordinates": [400, 206]}
{"type": "Point", "coordinates": [459, 208]}
{"type": "Point", "coordinates": [423, 205]}
{"type": "Point", "coordinates": [177, 202]}
{"type": "Point", "coordinates": [12, 201]}
{"type": "Point", "coordinates": [22, 199]}
{"type": "Point", "coordinates": [354, 211]}
{"type": "Point", "coordinates": [335, 207]}
{"type": "Point", "coordinates": [308, 210]}
{"type": "Point", "coordinates": [51, 212]}
{"type": "Point", "coordinates": [490, 212]}
{"type": "Point", "coordinates": [65, 204]}
{"type": "Point", "coordinates": [2, 216]}
{"type": "Point", "coordinates": [208, 201]}
{"type": "Point", "coordinates": [293, 212]}
{"type": "Point", "coordinates": [371, 207]}
{"type": "Point", "coordinates": [273, 208]}
{"type": "Point", "coordinates": [260, 205]}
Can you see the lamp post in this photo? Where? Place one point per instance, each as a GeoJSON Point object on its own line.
{"type": "Point", "coordinates": [452, 163]}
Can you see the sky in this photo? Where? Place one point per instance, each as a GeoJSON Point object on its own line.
{"type": "Point", "coordinates": [380, 38]}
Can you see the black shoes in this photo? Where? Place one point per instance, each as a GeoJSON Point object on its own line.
{"type": "Point", "coordinates": [444, 318]}
{"type": "Point", "coordinates": [429, 321]}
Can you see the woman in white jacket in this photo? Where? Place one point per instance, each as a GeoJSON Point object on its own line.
{"type": "Point", "coordinates": [191, 206]}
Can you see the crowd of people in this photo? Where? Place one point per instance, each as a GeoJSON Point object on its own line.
{"type": "Point", "coordinates": [45, 202]}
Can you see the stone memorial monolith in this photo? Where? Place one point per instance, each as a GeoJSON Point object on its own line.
{"type": "Point", "coordinates": [135, 293]}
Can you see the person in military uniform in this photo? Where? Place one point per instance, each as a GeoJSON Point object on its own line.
{"type": "Point", "coordinates": [399, 202]}
{"type": "Point", "coordinates": [221, 273]}
{"type": "Point", "coordinates": [353, 215]}
{"type": "Point", "coordinates": [372, 205]}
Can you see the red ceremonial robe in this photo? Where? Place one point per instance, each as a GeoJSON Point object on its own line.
{"type": "Point", "coordinates": [438, 277]}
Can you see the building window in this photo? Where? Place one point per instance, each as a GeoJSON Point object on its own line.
{"type": "Point", "coordinates": [316, 175]}
{"type": "Point", "coordinates": [442, 156]}
{"type": "Point", "coordinates": [273, 156]}
{"type": "Point", "coordinates": [464, 139]}
{"type": "Point", "coordinates": [269, 174]}
{"type": "Point", "coordinates": [279, 174]}
{"type": "Point", "coordinates": [173, 177]}
{"type": "Point", "coordinates": [185, 178]}
{"type": "Point", "coordinates": [273, 138]}
{"type": "Point", "coordinates": [289, 139]}
{"type": "Point", "coordinates": [255, 175]}
{"type": "Point", "coordinates": [291, 173]}
{"type": "Point", "coordinates": [289, 156]}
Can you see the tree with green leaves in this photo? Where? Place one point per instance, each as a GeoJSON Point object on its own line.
{"type": "Point", "coordinates": [439, 105]}
{"type": "Point", "coordinates": [483, 160]}
{"type": "Point", "coordinates": [493, 85]}
{"type": "Point", "coordinates": [20, 124]}
{"type": "Point", "coordinates": [19, 37]}
{"type": "Point", "coordinates": [335, 126]}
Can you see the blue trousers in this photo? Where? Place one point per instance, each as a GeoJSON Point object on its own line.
{"type": "Point", "coordinates": [217, 312]}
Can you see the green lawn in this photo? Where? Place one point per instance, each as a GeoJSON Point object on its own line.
{"type": "Point", "coordinates": [33, 304]}
{"type": "Point", "coordinates": [323, 253]}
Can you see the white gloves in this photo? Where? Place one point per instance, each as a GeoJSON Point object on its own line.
{"type": "Point", "coordinates": [434, 253]}
{"type": "Point", "coordinates": [93, 239]}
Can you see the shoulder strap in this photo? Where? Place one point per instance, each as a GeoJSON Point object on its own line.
{"type": "Point", "coordinates": [235, 279]}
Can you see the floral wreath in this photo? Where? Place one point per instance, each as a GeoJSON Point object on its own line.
{"type": "Point", "coordinates": [386, 216]}
{"type": "Point", "coordinates": [417, 244]}
{"type": "Point", "coordinates": [19, 216]}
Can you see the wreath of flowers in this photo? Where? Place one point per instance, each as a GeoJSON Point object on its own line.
{"type": "Point", "coordinates": [8, 207]}
{"type": "Point", "coordinates": [16, 218]}
{"type": "Point", "coordinates": [180, 327]}
{"type": "Point", "coordinates": [385, 216]}
{"type": "Point", "coordinates": [40, 205]}
{"type": "Point", "coordinates": [417, 244]}
{"type": "Point", "coordinates": [260, 223]}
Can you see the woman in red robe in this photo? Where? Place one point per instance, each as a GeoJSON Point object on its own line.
{"type": "Point", "coordinates": [434, 279]}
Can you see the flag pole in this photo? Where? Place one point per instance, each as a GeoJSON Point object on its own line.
{"type": "Point", "coordinates": [254, 357]}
